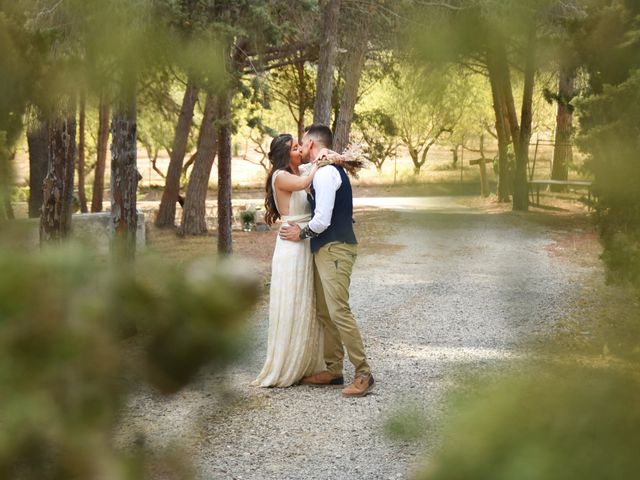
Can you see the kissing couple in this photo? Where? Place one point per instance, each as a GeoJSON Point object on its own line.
{"type": "Point", "coordinates": [310, 319]}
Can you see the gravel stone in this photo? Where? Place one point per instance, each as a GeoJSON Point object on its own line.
{"type": "Point", "coordinates": [466, 292]}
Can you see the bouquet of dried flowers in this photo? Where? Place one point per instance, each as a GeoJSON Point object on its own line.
{"type": "Point", "coordinates": [352, 159]}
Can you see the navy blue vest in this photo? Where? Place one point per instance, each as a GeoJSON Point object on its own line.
{"type": "Point", "coordinates": [341, 228]}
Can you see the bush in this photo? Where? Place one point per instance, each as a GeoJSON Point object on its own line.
{"type": "Point", "coordinates": [574, 423]}
{"type": "Point", "coordinates": [611, 135]}
{"type": "Point", "coordinates": [62, 359]}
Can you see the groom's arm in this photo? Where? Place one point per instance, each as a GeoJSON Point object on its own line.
{"type": "Point", "coordinates": [325, 183]}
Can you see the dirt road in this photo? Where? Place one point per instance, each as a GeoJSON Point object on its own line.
{"type": "Point", "coordinates": [440, 290]}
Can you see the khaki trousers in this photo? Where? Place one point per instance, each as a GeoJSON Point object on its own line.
{"type": "Point", "coordinates": [333, 265]}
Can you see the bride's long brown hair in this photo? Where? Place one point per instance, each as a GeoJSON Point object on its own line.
{"type": "Point", "coordinates": [279, 158]}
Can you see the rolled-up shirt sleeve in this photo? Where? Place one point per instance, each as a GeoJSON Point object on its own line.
{"type": "Point", "coordinates": [326, 183]}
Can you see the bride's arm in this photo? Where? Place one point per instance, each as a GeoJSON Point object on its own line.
{"type": "Point", "coordinates": [292, 183]}
{"type": "Point", "coordinates": [345, 160]}
{"type": "Point", "coordinates": [330, 156]}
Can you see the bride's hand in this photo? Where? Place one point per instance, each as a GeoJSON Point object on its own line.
{"type": "Point", "coordinates": [321, 154]}
{"type": "Point", "coordinates": [327, 157]}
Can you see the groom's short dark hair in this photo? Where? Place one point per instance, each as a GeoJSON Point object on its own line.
{"type": "Point", "coordinates": [321, 133]}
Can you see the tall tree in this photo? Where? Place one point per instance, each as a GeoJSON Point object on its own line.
{"type": "Point", "coordinates": [38, 142]}
{"type": "Point", "coordinates": [21, 60]}
{"type": "Point", "coordinates": [167, 211]}
{"type": "Point", "coordinates": [6, 178]}
{"type": "Point", "coordinates": [55, 222]}
{"type": "Point", "coordinates": [520, 185]}
{"type": "Point", "coordinates": [354, 63]}
{"type": "Point", "coordinates": [194, 210]}
{"type": "Point", "coordinates": [563, 148]}
{"type": "Point", "coordinates": [427, 112]}
{"type": "Point", "coordinates": [292, 85]}
{"type": "Point", "coordinates": [82, 197]}
{"type": "Point", "coordinates": [124, 170]}
{"type": "Point", "coordinates": [104, 113]}
{"type": "Point", "coordinates": [499, 80]}
{"type": "Point", "coordinates": [380, 134]}
{"type": "Point", "coordinates": [327, 61]}
{"type": "Point", "coordinates": [225, 213]}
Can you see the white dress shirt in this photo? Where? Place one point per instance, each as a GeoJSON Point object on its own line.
{"type": "Point", "coordinates": [326, 183]}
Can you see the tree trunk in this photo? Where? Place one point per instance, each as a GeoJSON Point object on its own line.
{"type": "Point", "coordinates": [508, 104]}
{"type": "Point", "coordinates": [326, 61]}
{"type": "Point", "coordinates": [225, 214]}
{"type": "Point", "coordinates": [38, 141]}
{"type": "Point", "coordinates": [413, 153]}
{"type": "Point", "coordinates": [55, 222]}
{"type": "Point", "coordinates": [6, 180]}
{"type": "Point", "coordinates": [82, 197]}
{"type": "Point", "coordinates": [353, 71]}
{"type": "Point", "coordinates": [504, 180]}
{"type": "Point", "coordinates": [7, 208]}
{"type": "Point", "coordinates": [562, 151]}
{"type": "Point", "coordinates": [124, 171]}
{"type": "Point", "coordinates": [101, 161]}
{"type": "Point", "coordinates": [167, 212]}
{"type": "Point", "coordinates": [520, 185]}
{"type": "Point", "coordinates": [194, 210]}
{"type": "Point", "coordinates": [498, 65]}
{"type": "Point", "coordinates": [302, 97]}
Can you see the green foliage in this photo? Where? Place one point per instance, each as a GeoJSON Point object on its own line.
{"type": "Point", "coordinates": [293, 86]}
{"type": "Point", "coordinates": [610, 133]}
{"type": "Point", "coordinates": [379, 132]}
{"type": "Point", "coordinates": [428, 104]}
{"type": "Point", "coordinates": [158, 110]}
{"type": "Point", "coordinates": [560, 423]}
{"type": "Point", "coordinates": [65, 371]}
{"type": "Point", "coordinates": [20, 52]}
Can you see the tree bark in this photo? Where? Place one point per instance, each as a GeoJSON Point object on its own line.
{"type": "Point", "coordinates": [353, 72]}
{"type": "Point", "coordinates": [413, 153]}
{"type": "Point", "coordinates": [6, 177]}
{"type": "Point", "coordinates": [504, 180]}
{"type": "Point", "coordinates": [454, 160]}
{"type": "Point", "coordinates": [194, 210]}
{"type": "Point", "coordinates": [82, 197]}
{"type": "Point", "coordinates": [124, 170]}
{"type": "Point", "coordinates": [499, 63]}
{"type": "Point", "coordinates": [38, 141]}
{"type": "Point", "coordinates": [508, 104]}
{"type": "Point", "coordinates": [302, 97]}
{"type": "Point", "coordinates": [520, 185]}
{"type": "Point", "coordinates": [562, 151]}
{"type": "Point", "coordinates": [326, 61]}
{"type": "Point", "coordinates": [225, 214]}
{"type": "Point", "coordinates": [167, 212]}
{"type": "Point", "coordinates": [7, 209]}
{"type": "Point", "coordinates": [55, 222]}
{"type": "Point", "coordinates": [101, 160]}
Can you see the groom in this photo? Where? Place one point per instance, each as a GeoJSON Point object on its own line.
{"type": "Point", "coordinates": [333, 244]}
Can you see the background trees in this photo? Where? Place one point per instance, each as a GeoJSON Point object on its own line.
{"type": "Point", "coordinates": [482, 57]}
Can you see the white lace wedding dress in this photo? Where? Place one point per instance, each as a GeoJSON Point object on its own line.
{"type": "Point", "coordinates": [294, 348]}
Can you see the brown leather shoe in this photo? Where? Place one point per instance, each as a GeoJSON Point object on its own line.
{"type": "Point", "coordinates": [323, 378]}
{"type": "Point", "coordinates": [361, 385]}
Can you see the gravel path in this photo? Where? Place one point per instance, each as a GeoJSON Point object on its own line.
{"type": "Point", "coordinates": [446, 289]}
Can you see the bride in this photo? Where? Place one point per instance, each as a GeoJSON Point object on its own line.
{"type": "Point", "coordinates": [294, 346]}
